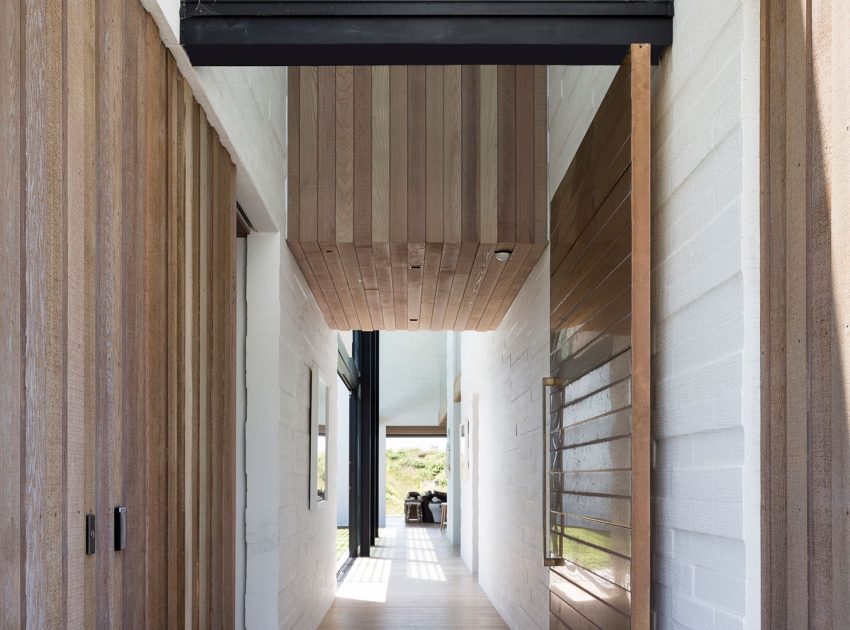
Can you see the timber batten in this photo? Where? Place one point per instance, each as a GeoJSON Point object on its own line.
{"type": "Point", "coordinates": [405, 182]}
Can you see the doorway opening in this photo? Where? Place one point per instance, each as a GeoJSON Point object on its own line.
{"type": "Point", "coordinates": [343, 515]}
{"type": "Point", "coordinates": [416, 472]}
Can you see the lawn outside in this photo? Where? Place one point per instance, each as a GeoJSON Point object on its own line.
{"type": "Point", "coordinates": [341, 546]}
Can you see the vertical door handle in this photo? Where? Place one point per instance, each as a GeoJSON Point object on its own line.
{"type": "Point", "coordinates": [551, 558]}
{"type": "Point", "coordinates": [120, 528]}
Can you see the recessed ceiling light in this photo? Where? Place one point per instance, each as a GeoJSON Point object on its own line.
{"type": "Point", "coordinates": [502, 255]}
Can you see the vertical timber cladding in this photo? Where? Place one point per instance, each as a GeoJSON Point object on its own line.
{"type": "Point", "coordinates": [598, 519]}
{"type": "Point", "coordinates": [805, 315]}
{"type": "Point", "coordinates": [403, 182]}
{"type": "Point", "coordinates": [117, 239]}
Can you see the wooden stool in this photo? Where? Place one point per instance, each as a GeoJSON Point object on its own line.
{"type": "Point", "coordinates": [444, 513]}
{"type": "Point", "coordinates": [412, 511]}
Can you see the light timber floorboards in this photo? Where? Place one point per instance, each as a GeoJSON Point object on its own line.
{"type": "Point", "coordinates": [414, 579]}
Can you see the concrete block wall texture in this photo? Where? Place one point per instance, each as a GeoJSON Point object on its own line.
{"type": "Point", "coordinates": [247, 107]}
{"type": "Point", "coordinates": [505, 368]}
{"type": "Point", "coordinates": [291, 552]}
{"type": "Point", "coordinates": [706, 540]}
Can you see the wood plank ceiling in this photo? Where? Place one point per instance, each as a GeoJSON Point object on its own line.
{"type": "Point", "coordinates": [405, 181]}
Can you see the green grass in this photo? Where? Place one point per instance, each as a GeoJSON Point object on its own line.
{"type": "Point", "coordinates": [341, 543]}
{"type": "Point", "coordinates": [413, 469]}
{"type": "Point", "coordinates": [583, 555]}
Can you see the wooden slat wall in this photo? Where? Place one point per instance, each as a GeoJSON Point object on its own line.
{"type": "Point", "coordinates": [600, 321]}
{"type": "Point", "coordinates": [404, 181]}
{"type": "Point", "coordinates": [109, 169]}
{"type": "Point", "coordinates": [805, 310]}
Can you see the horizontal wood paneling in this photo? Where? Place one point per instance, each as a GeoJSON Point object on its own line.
{"type": "Point", "coordinates": [104, 188]}
{"type": "Point", "coordinates": [598, 433]}
{"type": "Point", "coordinates": [429, 157]}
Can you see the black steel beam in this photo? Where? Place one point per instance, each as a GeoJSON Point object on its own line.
{"type": "Point", "coordinates": [370, 32]}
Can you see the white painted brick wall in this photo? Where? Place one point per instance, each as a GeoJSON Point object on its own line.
{"type": "Point", "coordinates": [706, 328]}
{"type": "Point", "coordinates": [505, 368]}
{"type": "Point", "coordinates": [291, 549]}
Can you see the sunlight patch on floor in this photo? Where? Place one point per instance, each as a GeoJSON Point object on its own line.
{"type": "Point", "coordinates": [367, 580]}
{"type": "Point", "coordinates": [430, 571]}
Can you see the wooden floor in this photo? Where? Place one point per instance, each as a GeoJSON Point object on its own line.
{"type": "Point", "coordinates": [414, 579]}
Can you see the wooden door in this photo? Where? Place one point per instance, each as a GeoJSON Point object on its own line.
{"type": "Point", "coordinates": [117, 313]}
{"type": "Point", "coordinates": [597, 437]}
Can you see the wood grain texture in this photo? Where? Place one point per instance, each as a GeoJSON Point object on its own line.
{"type": "Point", "coordinates": [424, 155]}
{"type": "Point", "coordinates": [362, 155]}
{"type": "Point", "coordinates": [452, 175]}
{"type": "Point", "coordinates": [525, 180]}
{"type": "Point", "coordinates": [805, 315]}
{"type": "Point", "coordinates": [155, 298]}
{"type": "Point", "coordinates": [344, 166]}
{"type": "Point", "coordinates": [327, 157]}
{"type": "Point", "coordinates": [101, 195]}
{"type": "Point", "coordinates": [132, 278]}
{"type": "Point", "coordinates": [80, 195]}
{"type": "Point", "coordinates": [12, 226]}
{"type": "Point", "coordinates": [470, 147]}
{"type": "Point", "coordinates": [434, 140]}
{"type": "Point", "coordinates": [381, 154]}
{"type": "Point", "coordinates": [507, 154]}
{"type": "Point", "coordinates": [600, 347]}
{"type": "Point", "coordinates": [641, 332]}
{"type": "Point", "coordinates": [398, 154]}
{"type": "Point", "coordinates": [489, 175]}
{"type": "Point", "coordinates": [175, 357]}
{"type": "Point", "coordinates": [308, 136]}
{"type": "Point", "coordinates": [416, 154]}
{"type": "Point", "coordinates": [109, 468]}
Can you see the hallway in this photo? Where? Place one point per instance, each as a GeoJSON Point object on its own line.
{"type": "Point", "coordinates": [415, 578]}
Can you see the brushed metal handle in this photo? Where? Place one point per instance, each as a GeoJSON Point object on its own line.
{"type": "Point", "coordinates": [549, 559]}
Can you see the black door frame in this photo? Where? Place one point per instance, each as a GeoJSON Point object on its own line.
{"type": "Point", "coordinates": [350, 376]}
{"type": "Point", "coordinates": [364, 445]}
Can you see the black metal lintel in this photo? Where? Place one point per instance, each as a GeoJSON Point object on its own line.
{"type": "Point", "coordinates": [365, 32]}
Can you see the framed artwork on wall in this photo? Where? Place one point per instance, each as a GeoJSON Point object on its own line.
{"type": "Point", "coordinates": [319, 435]}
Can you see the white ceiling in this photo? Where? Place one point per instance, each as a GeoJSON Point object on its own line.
{"type": "Point", "coordinates": [412, 378]}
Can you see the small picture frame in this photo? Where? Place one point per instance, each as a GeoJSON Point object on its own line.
{"type": "Point", "coordinates": [319, 435]}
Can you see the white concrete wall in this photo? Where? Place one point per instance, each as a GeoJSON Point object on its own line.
{"type": "Point", "coordinates": [291, 552]}
{"type": "Point", "coordinates": [412, 379]}
{"type": "Point", "coordinates": [505, 369]}
{"type": "Point", "coordinates": [469, 504]}
{"type": "Point", "coordinates": [453, 421]}
{"type": "Point", "coordinates": [247, 106]}
{"type": "Point", "coordinates": [706, 320]}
